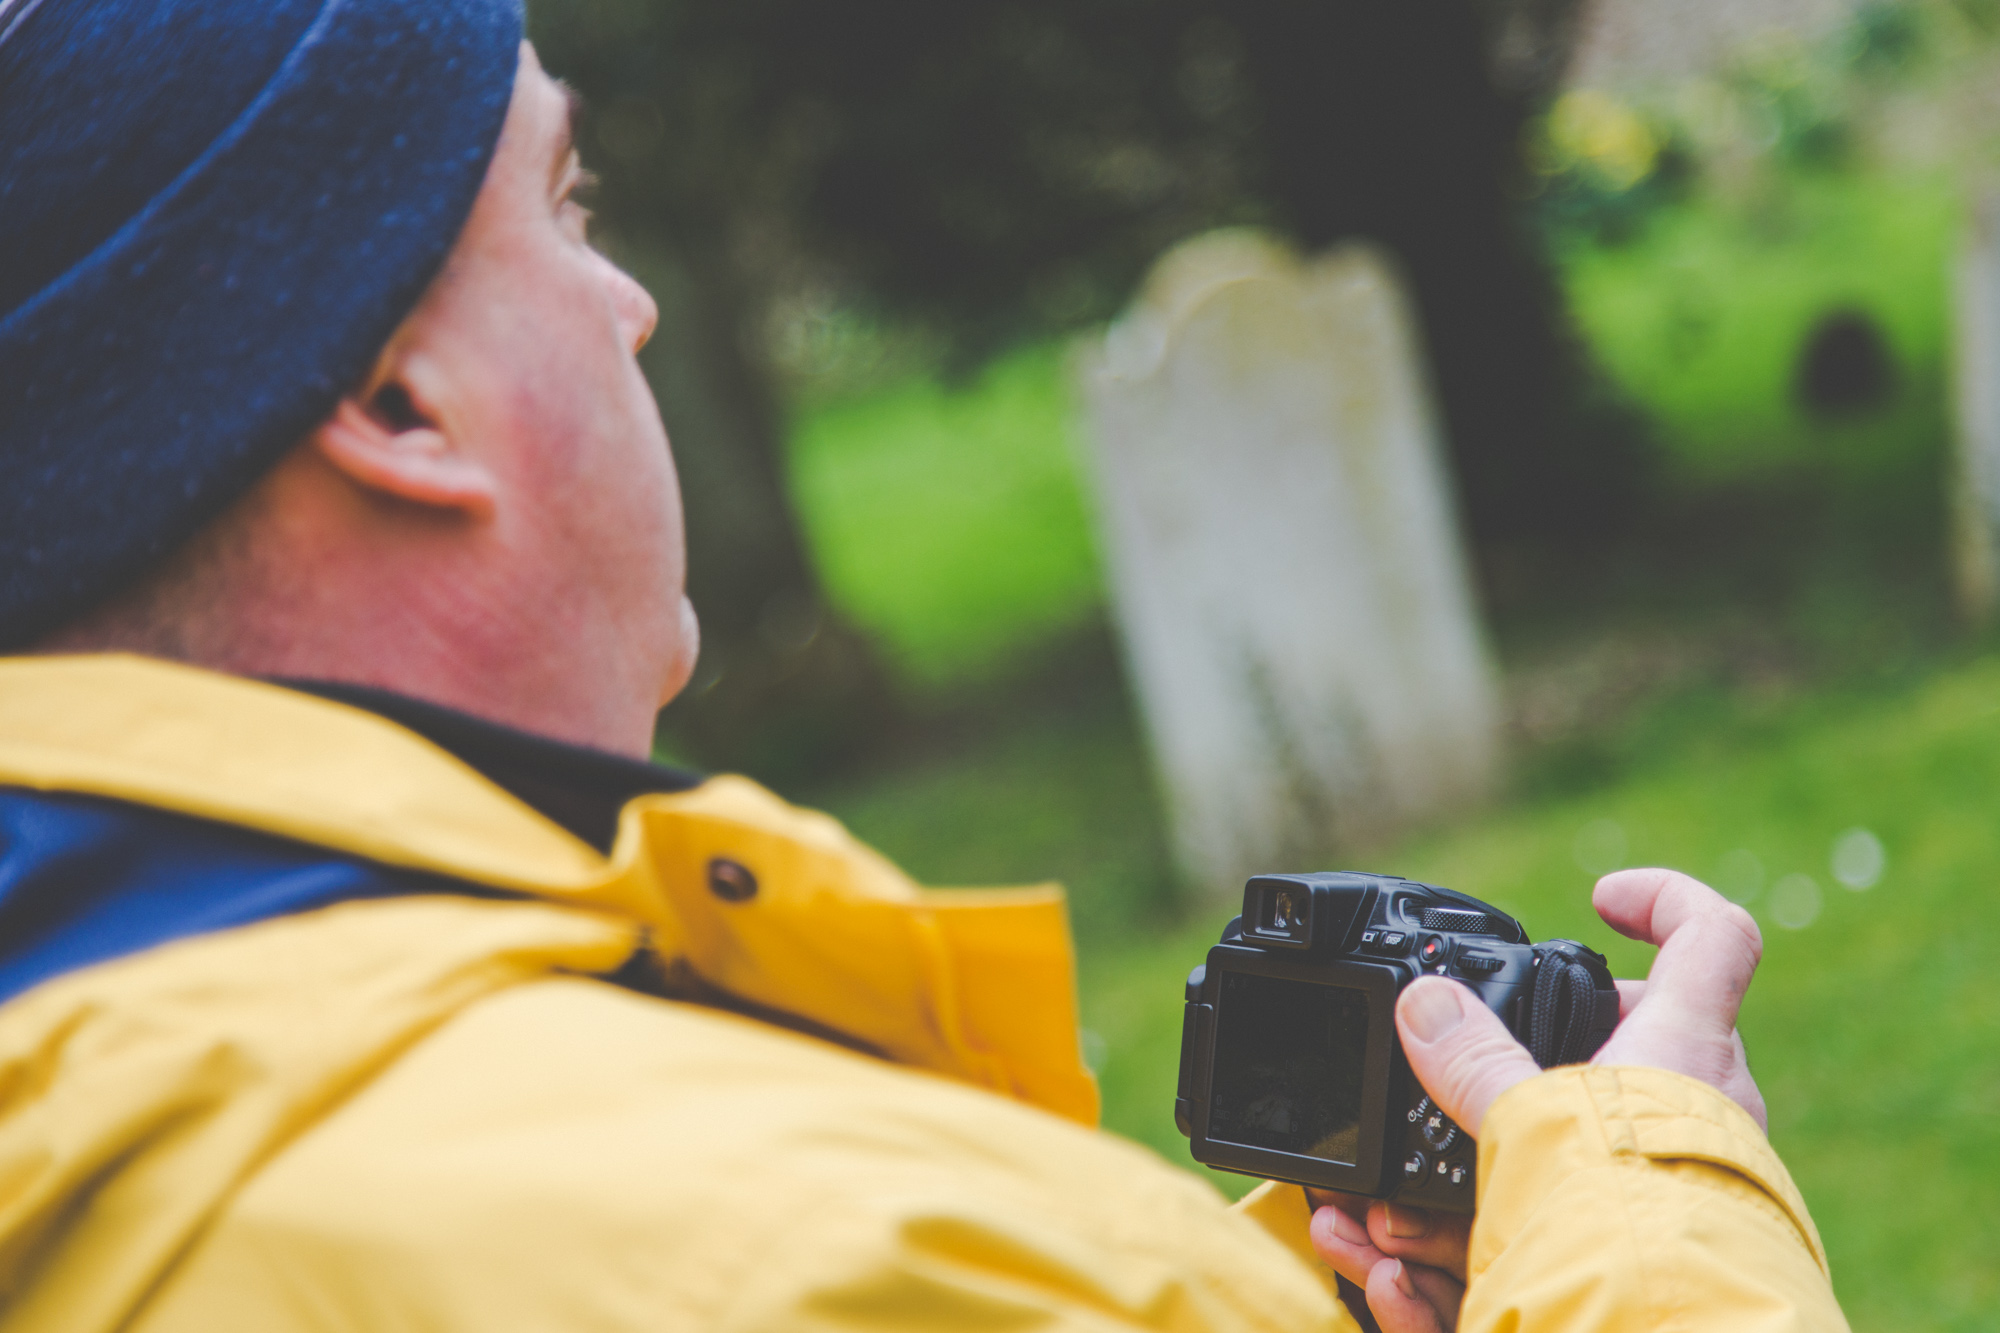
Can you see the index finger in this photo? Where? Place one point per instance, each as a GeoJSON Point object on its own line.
{"type": "Point", "coordinates": [1651, 905]}
{"type": "Point", "coordinates": [1709, 947]}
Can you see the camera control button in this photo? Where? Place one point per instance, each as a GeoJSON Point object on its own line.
{"type": "Point", "coordinates": [1434, 949]}
{"type": "Point", "coordinates": [1459, 1175]}
{"type": "Point", "coordinates": [1370, 936]}
{"type": "Point", "coordinates": [1438, 1131]}
{"type": "Point", "coordinates": [1393, 940]}
{"type": "Point", "coordinates": [1414, 1168]}
{"type": "Point", "coordinates": [1478, 964]}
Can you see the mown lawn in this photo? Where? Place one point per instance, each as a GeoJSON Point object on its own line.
{"type": "Point", "coordinates": [1874, 1028]}
{"type": "Point", "coordinates": [950, 520]}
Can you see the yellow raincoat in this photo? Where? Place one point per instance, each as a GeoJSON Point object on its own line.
{"type": "Point", "coordinates": [432, 1113]}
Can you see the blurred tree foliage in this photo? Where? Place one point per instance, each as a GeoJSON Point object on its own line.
{"type": "Point", "coordinates": [995, 170]}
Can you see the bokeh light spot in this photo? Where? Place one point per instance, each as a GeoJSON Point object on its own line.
{"type": "Point", "coordinates": [1795, 902]}
{"type": "Point", "coordinates": [1095, 1049]}
{"type": "Point", "coordinates": [1858, 859]}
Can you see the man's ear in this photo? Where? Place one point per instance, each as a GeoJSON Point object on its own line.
{"type": "Point", "coordinates": [383, 441]}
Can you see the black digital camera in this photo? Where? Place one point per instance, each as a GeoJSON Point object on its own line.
{"type": "Point", "coordinates": [1290, 1065]}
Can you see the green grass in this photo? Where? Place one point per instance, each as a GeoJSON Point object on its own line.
{"type": "Point", "coordinates": [1874, 1030]}
{"type": "Point", "coordinates": [1702, 317]}
{"type": "Point", "coordinates": [950, 522]}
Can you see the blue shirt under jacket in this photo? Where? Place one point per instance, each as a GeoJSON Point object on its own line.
{"type": "Point", "coordinates": [85, 879]}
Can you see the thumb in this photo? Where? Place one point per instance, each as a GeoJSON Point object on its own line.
{"type": "Point", "coordinates": [1459, 1049]}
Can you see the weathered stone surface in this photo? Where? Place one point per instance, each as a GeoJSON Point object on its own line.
{"type": "Point", "coordinates": [1285, 561]}
{"type": "Point", "coordinates": [1644, 43]}
{"type": "Point", "coordinates": [1976, 480]}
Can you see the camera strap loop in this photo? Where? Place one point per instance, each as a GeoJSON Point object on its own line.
{"type": "Point", "coordinates": [1563, 1012]}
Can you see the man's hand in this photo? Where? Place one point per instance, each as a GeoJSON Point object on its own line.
{"type": "Point", "coordinates": [1682, 1018]}
{"type": "Point", "coordinates": [1409, 1261]}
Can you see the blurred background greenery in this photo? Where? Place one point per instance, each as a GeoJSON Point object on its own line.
{"type": "Point", "coordinates": [1692, 335]}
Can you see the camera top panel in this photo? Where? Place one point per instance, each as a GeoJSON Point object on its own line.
{"type": "Point", "coordinates": [1329, 911]}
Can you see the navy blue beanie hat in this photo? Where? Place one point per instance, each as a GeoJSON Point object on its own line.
{"type": "Point", "coordinates": [213, 214]}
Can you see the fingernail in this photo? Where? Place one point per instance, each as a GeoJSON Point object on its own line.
{"type": "Point", "coordinates": [1405, 1223]}
{"type": "Point", "coordinates": [1404, 1282]}
{"type": "Point", "coordinates": [1430, 1010]}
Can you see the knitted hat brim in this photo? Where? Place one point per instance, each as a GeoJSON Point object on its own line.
{"type": "Point", "coordinates": [154, 381]}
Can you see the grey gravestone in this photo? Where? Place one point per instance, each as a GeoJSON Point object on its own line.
{"type": "Point", "coordinates": [1284, 556]}
{"type": "Point", "coordinates": [1976, 389]}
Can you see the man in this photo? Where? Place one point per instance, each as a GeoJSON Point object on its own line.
{"type": "Point", "coordinates": [356, 970]}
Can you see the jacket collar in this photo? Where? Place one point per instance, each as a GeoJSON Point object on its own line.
{"type": "Point", "coordinates": [579, 788]}
{"type": "Point", "coordinates": [777, 906]}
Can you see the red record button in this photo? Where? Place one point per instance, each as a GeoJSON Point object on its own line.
{"type": "Point", "coordinates": [1432, 950]}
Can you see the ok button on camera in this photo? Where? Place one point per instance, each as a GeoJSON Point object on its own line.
{"type": "Point", "coordinates": [1434, 1126]}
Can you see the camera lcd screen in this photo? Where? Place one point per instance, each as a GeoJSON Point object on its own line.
{"type": "Point", "coordinates": [1288, 1063]}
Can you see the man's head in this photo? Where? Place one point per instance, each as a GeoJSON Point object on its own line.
{"type": "Point", "coordinates": [487, 516]}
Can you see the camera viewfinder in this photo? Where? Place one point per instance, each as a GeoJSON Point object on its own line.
{"type": "Point", "coordinates": [1281, 911]}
